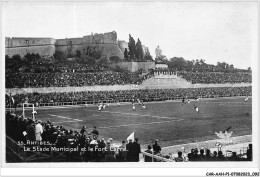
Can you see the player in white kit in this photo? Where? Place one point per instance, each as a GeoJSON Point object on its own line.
{"type": "Point", "coordinates": [133, 107]}
{"type": "Point", "coordinates": [100, 107]}
{"type": "Point", "coordinates": [197, 109]}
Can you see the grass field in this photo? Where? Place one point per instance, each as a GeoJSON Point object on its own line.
{"type": "Point", "coordinates": [169, 122]}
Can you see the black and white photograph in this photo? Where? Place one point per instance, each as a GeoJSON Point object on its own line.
{"type": "Point", "coordinates": [131, 84]}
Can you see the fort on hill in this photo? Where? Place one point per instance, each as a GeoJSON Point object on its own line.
{"type": "Point", "coordinates": [106, 43]}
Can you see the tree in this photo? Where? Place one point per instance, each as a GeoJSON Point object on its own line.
{"type": "Point", "coordinates": [177, 63]}
{"type": "Point", "coordinates": [32, 57]}
{"type": "Point", "coordinates": [131, 47]}
{"type": "Point", "coordinates": [60, 56]}
{"type": "Point", "coordinates": [103, 61]}
{"type": "Point", "coordinates": [147, 56]}
{"type": "Point", "coordinates": [139, 50]}
{"type": "Point", "coordinates": [17, 58]}
{"type": "Point", "coordinates": [189, 65]}
{"type": "Point", "coordinates": [78, 53]}
{"type": "Point", "coordinates": [126, 54]}
{"type": "Point", "coordinates": [90, 60]}
{"type": "Point", "coordinates": [114, 59]}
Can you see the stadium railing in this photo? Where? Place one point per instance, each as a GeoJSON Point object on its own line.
{"type": "Point", "coordinates": [36, 156]}
{"type": "Point", "coordinates": [157, 158]}
{"type": "Point", "coordinates": [25, 156]}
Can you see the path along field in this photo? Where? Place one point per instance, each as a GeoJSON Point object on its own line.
{"type": "Point", "coordinates": [169, 122]}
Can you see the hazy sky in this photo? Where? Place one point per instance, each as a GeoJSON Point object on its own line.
{"type": "Point", "coordinates": [214, 31]}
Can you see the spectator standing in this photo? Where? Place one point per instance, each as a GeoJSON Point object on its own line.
{"type": "Point", "coordinates": [208, 155]}
{"type": "Point", "coordinates": [122, 153]}
{"type": "Point", "coordinates": [149, 151]}
{"type": "Point", "coordinates": [102, 146]}
{"type": "Point", "coordinates": [220, 156]}
{"type": "Point", "coordinates": [30, 130]}
{"type": "Point", "coordinates": [234, 157]}
{"type": "Point", "coordinates": [202, 157]}
{"type": "Point", "coordinates": [83, 131]}
{"type": "Point", "coordinates": [129, 151]}
{"type": "Point", "coordinates": [95, 133]}
{"type": "Point", "coordinates": [109, 153]}
{"type": "Point", "coordinates": [196, 156]}
{"type": "Point", "coordinates": [156, 148]}
{"type": "Point", "coordinates": [214, 155]}
{"type": "Point", "coordinates": [249, 153]}
{"type": "Point", "coordinates": [38, 131]}
{"type": "Point", "coordinates": [179, 158]}
{"type": "Point", "coordinates": [191, 155]}
{"type": "Point", "coordinates": [136, 150]}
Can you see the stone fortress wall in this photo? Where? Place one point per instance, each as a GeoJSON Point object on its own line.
{"type": "Point", "coordinates": [69, 45]}
{"type": "Point", "coordinates": [107, 43]}
{"type": "Point", "coordinates": [22, 46]}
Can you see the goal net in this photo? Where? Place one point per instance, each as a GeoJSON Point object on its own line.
{"type": "Point", "coordinates": [29, 110]}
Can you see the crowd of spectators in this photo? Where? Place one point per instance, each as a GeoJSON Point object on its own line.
{"type": "Point", "coordinates": [33, 71]}
{"type": "Point", "coordinates": [43, 66]}
{"type": "Point", "coordinates": [126, 95]}
{"type": "Point", "coordinates": [216, 77]}
{"type": "Point", "coordinates": [207, 155]}
{"type": "Point", "coordinates": [201, 155]}
{"type": "Point", "coordinates": [63, 79]}
{"type": "Point", "coordinates": [32, 133]}
{"type": "Point", "coordinates": [24, 80]}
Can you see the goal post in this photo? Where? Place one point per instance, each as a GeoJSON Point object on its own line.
{"type": "Point", "coordinates": [27, 106]}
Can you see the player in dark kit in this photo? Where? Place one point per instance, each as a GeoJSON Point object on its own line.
{"type": "Point", "coordinates": [95, 133]}
{"type": "Point", "coordinates": [183, 101]}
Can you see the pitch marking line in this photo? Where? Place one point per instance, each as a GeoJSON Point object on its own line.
{"type": "Point", "coordinates": [72, 120]}
{"type": "Point", "coordinates": [64, 122]}
{"type": "Point", "coordinates": [139, 115]}
{"type": "Point", "coordinates": [126, 125]}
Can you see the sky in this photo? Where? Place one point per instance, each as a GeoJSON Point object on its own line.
{"type": "Point", "coordinates": [213, 31]}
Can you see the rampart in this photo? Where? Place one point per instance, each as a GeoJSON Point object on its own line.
{"type": "Point", "coordinates": [22, 46]}
{"type": "Point", "coordinates": [69, 45]}
{"type": "Point", "coordinates": [47, 50]}
{"type": "Point", "coordinates": [102, 38]}
{"type": "Point", "coordinates": [106, 43]}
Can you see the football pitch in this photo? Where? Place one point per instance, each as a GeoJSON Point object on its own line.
{"type": "Point", "coordinates": [168, 121]}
